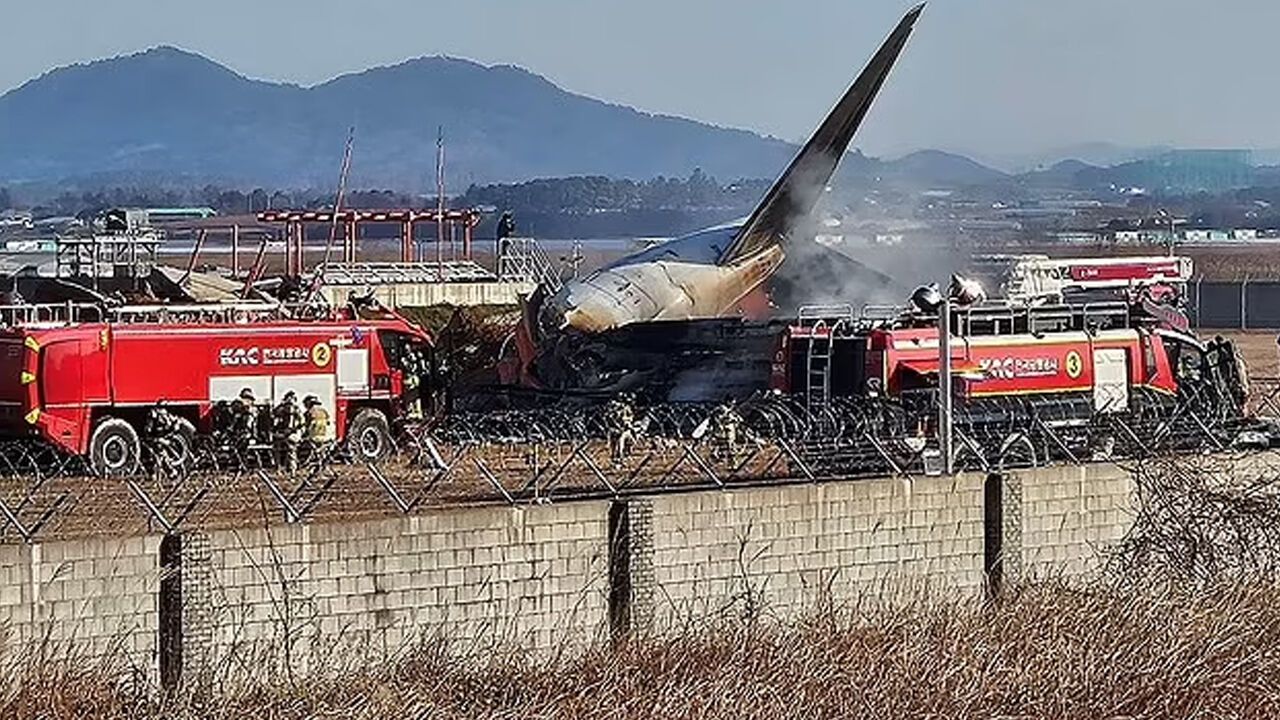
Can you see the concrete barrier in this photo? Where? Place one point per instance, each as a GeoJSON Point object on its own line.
{"type": "Point", "coordinates": [82, 600]}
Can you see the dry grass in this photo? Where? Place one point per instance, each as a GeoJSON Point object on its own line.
{"type": "Point", "coordinates": [1043, 652]}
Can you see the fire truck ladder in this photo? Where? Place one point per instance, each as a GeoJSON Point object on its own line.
{"type": "Point", "coordinates": [49, 314]}
{"type": "Point", "coordinates": [818, 358]}
{"type": "Point", "coordinates": [212, 313]}
{"type": "Point", "coordinates": [818, 366]}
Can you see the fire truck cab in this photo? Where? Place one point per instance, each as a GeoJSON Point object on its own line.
{"type": "Point", "coordinates": [87, 387]}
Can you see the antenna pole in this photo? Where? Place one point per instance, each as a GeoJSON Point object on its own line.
{"type": "Point", "coordinates": [440, 202]}
{"type": "Point", "coordinates": [342, 192]}
{"type": "Point", "coordinates": [337, 211]}
{"type": "Point", "coordinates": [255, 270]}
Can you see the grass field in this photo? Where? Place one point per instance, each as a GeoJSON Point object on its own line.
{"type": "Point", "coordinates": [1258, 348]}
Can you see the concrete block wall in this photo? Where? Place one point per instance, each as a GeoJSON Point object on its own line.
{"type": "Point", "coordinates": [81, 600]}
{"type": "Point", "coordinates": [783, 551]}
{"type": "Point", "coordinates": [489, 577]}
{"type": "Point", "coordinates": [306, 598]}
{"type": "Point", "coordinates": [1071, 516]}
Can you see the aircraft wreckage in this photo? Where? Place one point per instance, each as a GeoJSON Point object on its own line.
{"type": "Point", "coordinates": [676, 309]}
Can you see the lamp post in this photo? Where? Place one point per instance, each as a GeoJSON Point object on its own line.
{"type": "Point", "coordinates": [946, 443]}
{"type": "Point", "coordinates": [1172, 238]}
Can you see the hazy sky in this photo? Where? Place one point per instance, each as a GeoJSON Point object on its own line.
{"type": "Point", "coordinates": [990, 77]}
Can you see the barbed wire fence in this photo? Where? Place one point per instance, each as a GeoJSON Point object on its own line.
{"type": "Point", "coordinates": [567, 451]}
{"type": "Point", "coordinates": [1201, 521]}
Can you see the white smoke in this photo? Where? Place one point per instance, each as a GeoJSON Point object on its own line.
{"type": "Point", "coordinates": [859, 261]}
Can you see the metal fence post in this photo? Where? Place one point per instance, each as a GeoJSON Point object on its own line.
{"type": "Point", "coordinates": [619, 570]}
{"type": "Point", "coordinates": [1244, 304]}
{"type": "Point", "coordinates": [1199, 300]}
{"type": "Point", "coordinates": [169, 606]}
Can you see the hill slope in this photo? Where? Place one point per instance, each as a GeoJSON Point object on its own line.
{"type": "Point", "coordinates": [169, 113]}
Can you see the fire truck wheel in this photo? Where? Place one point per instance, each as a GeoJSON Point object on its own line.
{"type": "Point", "coordinates": [369, 435]}
{"type": "Point", "coordinates": [179, 452]}
{"type": "Point", "coordinates": [114, 448]}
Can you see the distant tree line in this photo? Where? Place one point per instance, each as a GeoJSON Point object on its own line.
{"type": "Point", "coordinates": [584, 195]}
{"type": "Point", "coordinates": [594, 194]}
{"type": "Point", "coordinates": [226, 201]}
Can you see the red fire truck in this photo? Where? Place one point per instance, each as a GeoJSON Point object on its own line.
{"type": "Point", "coordinates": [1088, 335]}
{"type": "Point", "coordinates": [1081, 359]}
{"type": "Point", "coordinates": [87, 387]}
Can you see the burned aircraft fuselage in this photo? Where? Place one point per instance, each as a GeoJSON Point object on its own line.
{"type": "Point", "coordinates": [677, 280]}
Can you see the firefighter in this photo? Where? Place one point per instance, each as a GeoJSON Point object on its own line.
{"type": "Point", "coordinates": [12, 296]}
{"type": "Point", "coordinates": [726, 427]}
{"type": "Point", "coordinates": [319, 429]}
{"type": "Point", "coordinates": [506, 226]}
{"type": "Point", "coordinates": [442, 386]}
{"type": "Point", "coordinates": [413, 383]}
{"type": "Point", "coordinates": [161, 429]}
{"type": "Point", "coordinates": [619, 420]}
{"type": "Point", "coordinates": [286, 426]}
{"type": "Point", "coordinates": [244, 420]}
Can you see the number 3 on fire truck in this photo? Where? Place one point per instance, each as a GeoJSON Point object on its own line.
{"type": "Point", "coordinates": [1074, 364]}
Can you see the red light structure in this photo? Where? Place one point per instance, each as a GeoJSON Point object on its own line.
{"type": "Point", "coordinates": [295, 222]}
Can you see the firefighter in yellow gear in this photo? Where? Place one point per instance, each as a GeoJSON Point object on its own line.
{"type": "Point", "coordinates": [319, 428]}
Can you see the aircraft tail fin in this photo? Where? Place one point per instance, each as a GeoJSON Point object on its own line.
{"type": "Point", "coordinates": [796, 192]}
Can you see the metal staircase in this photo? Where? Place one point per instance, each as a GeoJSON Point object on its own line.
{"type": "Point", "coordinates": [525, 260]}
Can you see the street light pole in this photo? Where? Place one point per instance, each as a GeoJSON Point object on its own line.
{"type": "Point", "coordinates": [945, 394]}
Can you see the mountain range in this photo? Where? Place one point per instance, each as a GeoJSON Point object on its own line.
{"type": "Point", "coordinates": [170, 116]}
{"type": "Point", "coordinates": [168, 112]}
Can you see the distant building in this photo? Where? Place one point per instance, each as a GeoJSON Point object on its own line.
{"type": "Point", "coordinates": [166, 214]}
{"type": "Point", "coordinates": [1141, 237]}
{"type": "Point", "coordinates": [1221, 236]}
{"type": "Point", "coordinates": [1078, 237]}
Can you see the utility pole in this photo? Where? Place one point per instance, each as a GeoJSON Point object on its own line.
{"type": "Point", "coordinates": [440, 202]}
{"type": "Point", "coordinates": [946, 442]}
{"type": "Point", "coordinates": [318, 278]}
{"type": "Point", "coordinates": [1171, 239]}
{"type": "Point", "coordinates": [337, 201]}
